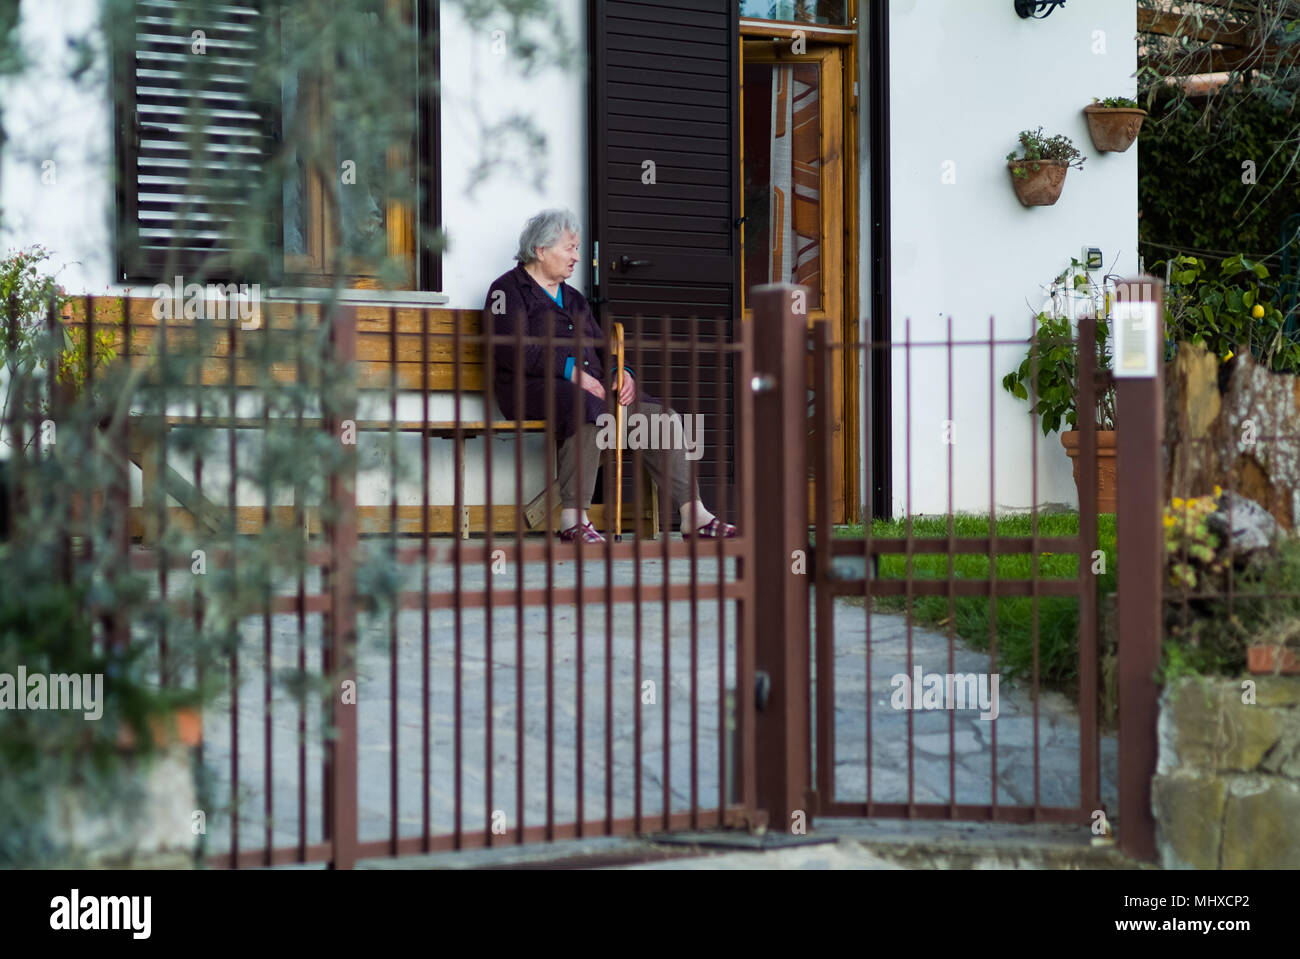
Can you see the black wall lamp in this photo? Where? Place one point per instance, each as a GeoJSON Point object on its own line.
{"type": "Point", "coordinates": [1038, 9]}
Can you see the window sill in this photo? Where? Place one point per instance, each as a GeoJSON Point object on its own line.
{"type": "Point", "coordinates": [310, 294]}
{"type": "Point", "coordinates": [358, 297]}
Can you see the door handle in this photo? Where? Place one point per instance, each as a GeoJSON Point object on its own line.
{"type": "Point", "coordinates": [626, 262]}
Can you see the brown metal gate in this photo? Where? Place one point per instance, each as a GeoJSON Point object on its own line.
{"type": "Point", "coordinates": [447, 692]}
{"type": "Point", "coordinates": [842, 735]}
{"type": "Point", "coordinates": [560, 780]}
{"type": "Point", "coordinates": [851, 567]}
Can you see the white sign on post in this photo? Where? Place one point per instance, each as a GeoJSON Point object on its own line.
{"type": "Point", "coordinates": [1133, 339]}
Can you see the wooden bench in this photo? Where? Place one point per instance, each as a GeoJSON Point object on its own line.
{"type": "Point", "coordinates": [390, 354]}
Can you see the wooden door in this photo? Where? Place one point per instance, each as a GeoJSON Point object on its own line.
{"type": "Point", "coordinates": [794, 202]}
{"type": "Point", "coordinates": [666, 199]}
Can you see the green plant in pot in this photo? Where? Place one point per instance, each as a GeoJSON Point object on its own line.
{"type": "Point", "coordinates": [1048, 378]}
{"type": "Point", "coordinates": [1114, 123]}
{"type": "Point", "coordinates": [1038, 174]}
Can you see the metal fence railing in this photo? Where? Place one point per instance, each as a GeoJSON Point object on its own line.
{"type": "Point", "coordinates": [373, 682]}
{"type": "Point", "coordinates": [311, 526]}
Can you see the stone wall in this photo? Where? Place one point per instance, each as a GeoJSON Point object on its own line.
{"type": "Point", "coordinates": [145, 823]}
{"type": "Point", "coordinates": [1226, 794]}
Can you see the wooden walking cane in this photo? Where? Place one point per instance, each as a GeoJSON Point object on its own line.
{"type": "Point", "coordinates": [618, 462]}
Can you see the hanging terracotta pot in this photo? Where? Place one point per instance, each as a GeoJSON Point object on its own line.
{"type": "Point", "coordinates": [1038, 187]}
{"type": "Point", "coordinates": [1114, 129]}
{"type": "Point", "coordinates": [183, 726]}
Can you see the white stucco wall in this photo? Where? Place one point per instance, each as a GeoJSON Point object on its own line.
{"type": "Point", "coordinates": [480, 89]}
{"type": "Point", "coordinates": [965, 79]}
{"type": "Point", "coordinates": [47, 117]}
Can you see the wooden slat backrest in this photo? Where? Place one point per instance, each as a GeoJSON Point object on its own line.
{"type": "Point", "coordinates": [374, 342]}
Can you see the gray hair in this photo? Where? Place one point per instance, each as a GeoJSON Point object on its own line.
{"type": "Point", "coordinates": [544, 230]}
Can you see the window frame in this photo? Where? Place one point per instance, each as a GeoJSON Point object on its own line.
{"type": "Point", "coordinates": [421, 222]}
{"type": "Point", "coordinates": [850, 20]}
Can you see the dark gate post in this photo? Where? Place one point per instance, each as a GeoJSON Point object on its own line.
{"type": "Point", "coordinates": [781, 532]}
{"type": "Point", "coordinates": [341, 636]}
{"type": "Point", "coordinates": [1139, 419]}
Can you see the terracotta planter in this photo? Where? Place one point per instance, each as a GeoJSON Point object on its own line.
{"type": "Point", "coordinates": [1263, 659]}
{"type": "Point", "coordinates": [1114, 129]}
{"type": "Point", "coordinates": [184, 727]}
{"type": "Point", "coordinates": [1106, 465]}
{"type": "Point", "coordinates": [1041, 187]}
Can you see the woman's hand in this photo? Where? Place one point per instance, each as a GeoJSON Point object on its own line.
{"type": "Point", "coordinates": [628, 393]}
{"type": "Point", "coordinates": [590, 384]}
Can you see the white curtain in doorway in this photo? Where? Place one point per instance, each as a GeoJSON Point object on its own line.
{"type": "Point", "coordinates": [796, 178]}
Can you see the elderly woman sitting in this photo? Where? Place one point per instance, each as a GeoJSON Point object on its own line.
{"type": "Point", "coordinates": [532, 298]}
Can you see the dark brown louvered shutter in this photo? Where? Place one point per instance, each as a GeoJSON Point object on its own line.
{"type": "Point", "coordinates": [179, 210]}
{"type": "Point", "coordinates": [666, 89]}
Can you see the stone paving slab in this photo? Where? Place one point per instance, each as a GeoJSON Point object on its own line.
{"type": "Point", "coordinates": [850, 854]}
{"type": "Point", "coordinates": [833, 844]}
{"type": "Point", "coordinates": [928, 756]}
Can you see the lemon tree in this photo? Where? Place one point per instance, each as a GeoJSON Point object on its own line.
{"type": "Point", "coordinates": [1232, 311]}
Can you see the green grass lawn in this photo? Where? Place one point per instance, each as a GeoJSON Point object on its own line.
{"type": "Point", "coordinates": [1057, 617]}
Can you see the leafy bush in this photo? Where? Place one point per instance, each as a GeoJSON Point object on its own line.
{"type": "Point", "coordinates": [62, 574]}
{"type": "Point", "coordinates": [1035, 146]}
{"type": "Point", "coordinates": [26, 297]}
{"type": "Point", "coordinates": [1228, 312]}
{"type": "Point", "coordinates": [1191, 547]}
{"type": "Point", "coordinates": [1190, 188]}
{"type": "Point", "coordinates": [1217, 604]}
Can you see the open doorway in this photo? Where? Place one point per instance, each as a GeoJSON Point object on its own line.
{"type": "Point", "coordinates": [799, 218]}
